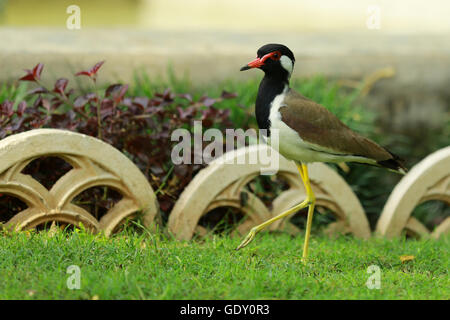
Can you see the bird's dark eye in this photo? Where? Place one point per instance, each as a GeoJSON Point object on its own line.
{"type": "Point", "coordinates": [276, 55]}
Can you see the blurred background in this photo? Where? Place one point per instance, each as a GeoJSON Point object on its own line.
{"type": "Point", "coordinates": [410, 16]}
{"type": "Point", "coordinates": [398, 50]}
{"type": "Point", "coordinates": [408, 40]}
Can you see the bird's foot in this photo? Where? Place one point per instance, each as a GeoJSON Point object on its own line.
{"type": "Point", "coordinates": [248, 238]}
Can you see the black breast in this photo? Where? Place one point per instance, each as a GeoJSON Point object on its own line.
{"type": "Point", "coordinates": [268, 90]}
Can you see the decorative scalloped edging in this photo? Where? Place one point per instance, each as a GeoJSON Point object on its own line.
{"type": "Point", "coordinates": [94, 163]}
{"type": "Point", "coordinates": [428, 180]}
{"type": "Point", "coordinates": [221, 184]}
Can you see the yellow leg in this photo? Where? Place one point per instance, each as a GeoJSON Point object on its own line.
{"type": "Point", "coordinates": [258, 228]}
{"type": "Point", "coordinates": [312, 199]}
{"type": "Point", "coordinates": [309, 201]}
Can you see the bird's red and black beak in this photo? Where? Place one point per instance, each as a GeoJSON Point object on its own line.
{"type": "Point", "coordinates": [253, 64]}
{"type": "Point", "coordinates": [259, 62]}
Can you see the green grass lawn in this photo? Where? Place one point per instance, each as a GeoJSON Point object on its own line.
{"type": "Point", "coordinates": [131, 266]}
{"type": "Point", "coordinates": [144, 266]}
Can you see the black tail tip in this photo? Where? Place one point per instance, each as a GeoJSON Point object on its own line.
{"type": "Point", "coordinates": [395, 164]}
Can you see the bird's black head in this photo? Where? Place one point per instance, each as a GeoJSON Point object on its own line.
{"type": "Point", "coordinates": [274, 59]}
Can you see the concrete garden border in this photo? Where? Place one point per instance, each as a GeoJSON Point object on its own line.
{"type": "Point", "coordinates": [222, 184]}
{"type": "Point", "coordinates": [428, 180]}
{"type": "Point", "coordinates": [94, 163]}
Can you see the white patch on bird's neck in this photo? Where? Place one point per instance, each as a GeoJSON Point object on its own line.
{"type": "Point", "coordinates": [287, 64]}
{"type": "Point", "coordinates": [276, 104]}
{"type": "Point", "coordinates": [275, 116]}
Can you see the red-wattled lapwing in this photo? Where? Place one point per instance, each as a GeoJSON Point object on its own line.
{"type": "Point", "coordinates": [307, 131]}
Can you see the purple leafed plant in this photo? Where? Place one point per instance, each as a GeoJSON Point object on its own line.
{"type": "Point", "coordinates": [140, 127]}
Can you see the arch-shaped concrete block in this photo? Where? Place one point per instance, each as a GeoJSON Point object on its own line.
{"type": "Point", "coordinates": [221, 184]}
{"type": "Point", "coordinates": [428, 180]}
{"type": "Point", "coordinates": [94, 163]}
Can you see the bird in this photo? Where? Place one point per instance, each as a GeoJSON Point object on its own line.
{"type": "Point", "coordinates": [307, 131]}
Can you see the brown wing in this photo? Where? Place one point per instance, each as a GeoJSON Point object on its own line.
{"type": "Point", "coordinates": [318, 126]}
